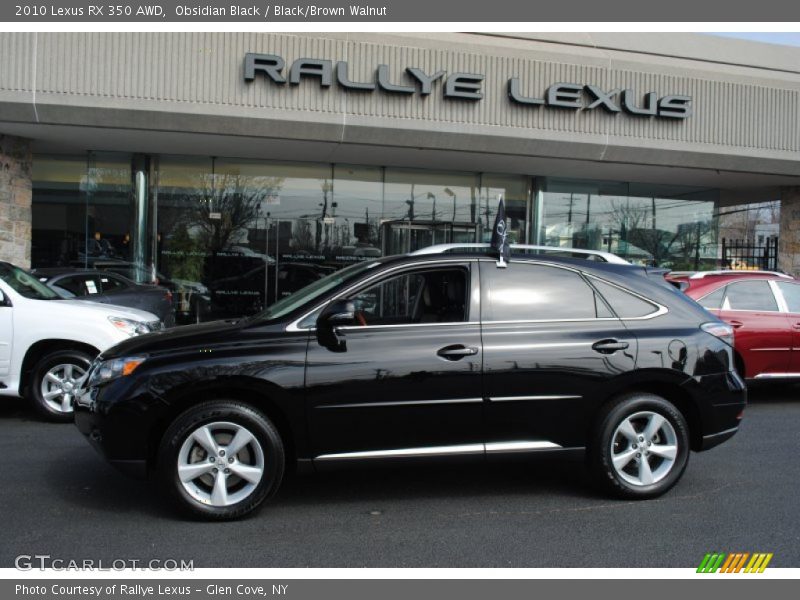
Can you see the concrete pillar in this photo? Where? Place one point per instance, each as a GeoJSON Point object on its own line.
{"type": "Point", "coordinates": [15, 200]}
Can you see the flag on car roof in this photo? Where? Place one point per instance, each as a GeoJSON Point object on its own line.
{"type": "Point", "coordinates": [499, 241]}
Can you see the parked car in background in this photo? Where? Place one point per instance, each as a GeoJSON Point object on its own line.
{"type": "Point", "coordinates": [440, 353]}
{"type": "Point", "coordinates": [764, 309]}
{"type": "Point", "coordinates": [110, 288]}
{"type": "Point", "coordinates": [47, 342]}
{"type": "Point", "coordinates": [190, 298]}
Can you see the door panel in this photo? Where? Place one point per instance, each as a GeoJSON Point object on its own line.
{"type": "Point", "coordinates": [6, 341]}
{"type": "Point", "coordinates": [791, 296]}
{"type": "Point", "coordinates": [764, 339]}
{"type": "Point", "coordinates": [409, 379]}
{"type": "Point", "coordinates": [763, 335]}
{"type": "Point", "coordinates": [390, 389]}
{"type": "Point", "coordinates": [540, 378]}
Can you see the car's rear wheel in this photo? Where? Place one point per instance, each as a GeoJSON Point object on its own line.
{"type": "Point", "coordinates": [54, 382]}
{"type": "Point", "coordinates": [639, 447]}
{"type": "Point", "coordinates": [221, 460]}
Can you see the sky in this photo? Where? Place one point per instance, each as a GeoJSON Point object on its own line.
{"type": "Point", "coordinates": [789, 39]}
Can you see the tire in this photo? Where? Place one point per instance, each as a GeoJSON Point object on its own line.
{"type": "Point", "coordinates": [53, 381]}
{"type": "Point", "coordinates": [197, 472]}
{"type": "Point", "coordinates": [616, 457]}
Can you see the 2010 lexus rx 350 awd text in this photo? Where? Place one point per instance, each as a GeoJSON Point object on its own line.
{"type": "Point", "coordinates": [437, 353]}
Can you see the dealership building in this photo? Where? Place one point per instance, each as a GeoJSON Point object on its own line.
{"type": "Point", "coordinates": [241, 166]}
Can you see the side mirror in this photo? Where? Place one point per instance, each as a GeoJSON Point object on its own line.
{"type": "Point", "coordinates": [3, 299]}
{"type": "Point", "coordinates": [337, 314]}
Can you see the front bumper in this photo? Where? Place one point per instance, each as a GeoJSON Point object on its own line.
{"type": "Point", "coordinates": [113, 434]}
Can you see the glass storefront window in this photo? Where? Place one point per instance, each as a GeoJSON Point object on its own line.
{"type": "Point", "coordinates": [58, 234]}
{"type": "Point", "coordinates": [229, 237]}
{"type": "Point", "coordinates": [423, 208]}
{"type": "Point", "coordinates": [668, 226]}
{"type": "Point", "coordinates": [516, 194]}
{"type": "Point", "coordinates": [81, 211]}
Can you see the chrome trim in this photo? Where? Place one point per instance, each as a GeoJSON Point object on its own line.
{"type": "Point", "coordinates": [398, 325]}
{"type": "Point", "coordinates": [719, 433]}
{"type": "Point", "coordinates": [403, 403]}
{"type": "Point", "coordinates": [520, 446]}
{"type": "Point", "coordinates": [536, 346]}
{"type": "Point", "coordinates": [702, 274]}
{"type": "Point", "coordinates": [660, 309]}
{"type": "Point", "coordinates": [779, 298]}
{"type": "Point", "coordinates": [461, 449]}
{"type": "Point", "coordinates": [293, 326]}
{"type": "Point", "coordinates": [524, 398]}
{"type": "Point", "coordinates": [407, 452]}
{"type": "Point", "coordinates": [441, 248]}
{"type": "Point", "coordinates": [777, 375]}
{"type": "Point", "coordinates": [769, 349]}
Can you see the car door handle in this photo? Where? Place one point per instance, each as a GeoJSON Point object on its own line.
{"type": "Point", "coordinates": [457, 352]}
{"type": "Point", "coordinates": [735, 324]}
{"type": "Point", "coordinates": [609, 346]}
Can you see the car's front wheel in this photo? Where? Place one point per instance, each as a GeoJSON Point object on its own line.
{"type": "Point", "coordinates": [639, 447]}
{"type": "Point", "coordinates": [221, 460]}
{"type": "Point", "coordinates": [54, 382]}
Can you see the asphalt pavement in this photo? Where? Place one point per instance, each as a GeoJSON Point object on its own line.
{"type": "Point", "coordinates": [59, 498]}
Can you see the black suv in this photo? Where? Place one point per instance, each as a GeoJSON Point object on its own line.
{"type": "Point", "coordinates": [439, 353]}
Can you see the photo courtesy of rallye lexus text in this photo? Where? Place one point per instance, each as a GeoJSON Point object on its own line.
{"type": "Point", "coordinates": [445, 352]}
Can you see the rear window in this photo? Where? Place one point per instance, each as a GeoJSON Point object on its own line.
{"type": "Point", "coordinates": [713, 300]}
{"type": "Point", "coordinates": [626, 304]}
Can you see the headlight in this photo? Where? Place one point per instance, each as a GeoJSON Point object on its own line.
{"type": "Point", "coordinates": [109, 370]}
{"type": "Point", "coordinates": [129, 326]}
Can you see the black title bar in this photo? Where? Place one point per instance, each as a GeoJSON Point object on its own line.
{"type": "Point", "coordinates": [322, 11]}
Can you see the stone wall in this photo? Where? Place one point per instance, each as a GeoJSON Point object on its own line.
{"type": "Point", "coordinates": [15, 200]}
{"type": "Point", "coordinates": [789, 245]}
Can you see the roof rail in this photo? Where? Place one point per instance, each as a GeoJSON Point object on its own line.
{"type": "Point", "coordinates": [604, 256]}
{"type": "Point", "coordinates": [701, 274]}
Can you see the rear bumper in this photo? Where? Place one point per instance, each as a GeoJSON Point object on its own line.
{"type": "Point", "coordinates": [721, 400]}
{"type": "Point", "coordinates": [715, 439]}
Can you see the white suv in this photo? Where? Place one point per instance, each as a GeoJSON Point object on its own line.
{"type": "Point", "coordinates": [47, 343]}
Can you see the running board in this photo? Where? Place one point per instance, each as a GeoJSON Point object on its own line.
{"type": "Point", "coordinates": [462, 449]}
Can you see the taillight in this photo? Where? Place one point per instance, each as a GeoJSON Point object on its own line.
{"type": "Point", "coordinates": [718, 329]}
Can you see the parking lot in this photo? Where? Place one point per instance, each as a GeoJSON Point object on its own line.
{"type": "Point", "coordinates": [59, 498]}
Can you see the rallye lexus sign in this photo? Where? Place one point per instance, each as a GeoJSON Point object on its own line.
{"type": "Point", "coordinates": [467, 86]}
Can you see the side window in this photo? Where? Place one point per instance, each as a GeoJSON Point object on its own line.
{"type": "Point", "coordinates": [526, 292]}
{"type": "Point", "coordinates": [714, 299]}
{"type": "Point", "coordinates": [750, 295]}
{"type": "Point", "coordinates": [625, 304]}
{"type": "Point", "coordinates": [112, 284]}
{"type": "Point", "coordinates": [431, 296]}
{"type": "Point", "coordinates": [791, 293]}
{"type": "Point", "coordinates": [79, 285]}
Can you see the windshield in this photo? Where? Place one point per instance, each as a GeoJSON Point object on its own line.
{"type": "Point", "coordinates": [311, 292]}
{"type": "Point", "coordinates": [25, 284]}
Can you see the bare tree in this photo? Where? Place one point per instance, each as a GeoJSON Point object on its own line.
{"type": "Point", "coordinates": [302, 238]}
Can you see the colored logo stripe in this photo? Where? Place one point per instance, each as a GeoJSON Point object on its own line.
{"type": "Point", "coordinates": [734, 562]}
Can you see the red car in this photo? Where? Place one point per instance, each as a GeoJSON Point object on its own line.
{"type": "Point", "coordinates": [764, 309]}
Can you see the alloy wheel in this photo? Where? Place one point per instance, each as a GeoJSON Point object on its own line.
{"type": "Point", "coordinates": [644, 448]}
{"type": "Point", "coordinates": [59, 385]}
{"type": "Point", "coordinates": [220, 464]}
